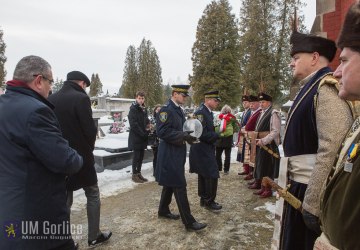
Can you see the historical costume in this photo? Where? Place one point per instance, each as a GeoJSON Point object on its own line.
{"type": "Point", "coordinates": [340, 205]}
{"type": "Point", "coordinates": [241, 139]}
{"type": "Point", "coordinates": [311, 136]}
{"type": "Point", "coordinates": [267, 133]}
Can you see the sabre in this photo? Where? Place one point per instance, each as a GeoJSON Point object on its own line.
{"type": "Point", "coordinates": [267, 149]}
{"type": "Point", "coordinates": [283, 192]}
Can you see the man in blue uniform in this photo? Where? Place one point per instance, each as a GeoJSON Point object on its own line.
{"type": "Point", "coordinates": [170, 171]}
{"type": "Point", "coordinates": [202, 155]}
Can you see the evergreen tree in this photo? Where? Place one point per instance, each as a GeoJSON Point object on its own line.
{"type": "Point", "coordinates": [142, 72]}
{"type": "Point", "coordinates": [265, 29]}
{"type": "Point", "coordinates": [58, 84]}
{"type": "Point", "coordinates": [95, 85]}
{"type": "Point", "coordinates": [167, 92]}
{"type": "Point", "coordinates": [130, 76]}
{"type": "Point", "coordinates": [2, 59]}
{"type": "Point", "coordinates": [215, 54]}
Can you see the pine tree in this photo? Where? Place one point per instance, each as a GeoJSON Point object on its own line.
{"type": "Point", "coordinates": [265, 29]}
{"type": "Point", "coordinates": [2, 59]}
{"type": "Point", "coordinates": [142, 72]}
{"type": "Point", "coordinates": [215, 54]}
{"type": "Point", "coordinates": [130, 76]}
{"type": "Point", "coordinates": [99, 85]}
{"type": "Point", "coordinates": [95, 85]}
{"type": "Point", "coordinates": [58, 84]}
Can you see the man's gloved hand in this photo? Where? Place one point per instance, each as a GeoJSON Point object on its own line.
{"type": "Point", "coordinates": [312, 222]}
{"type": "Point", "coordinates": [189, 138]}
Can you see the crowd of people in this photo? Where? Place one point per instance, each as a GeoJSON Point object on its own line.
{"type": "Point", "coordinates": [47, 151]}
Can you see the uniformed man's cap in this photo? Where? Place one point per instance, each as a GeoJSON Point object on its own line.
{"type": "Point", "coordinates": [181, 88]}
{"type": "Point", "coordinates": [253, 98]}
{"type": "Point", "coordinates": [304, 43]}
{"type": "Point", "coordinates": [245, 98]}
{"type": "Point", "coordinates": [264, 97]}
{"type": "Point", "coordinates": [213, 94]}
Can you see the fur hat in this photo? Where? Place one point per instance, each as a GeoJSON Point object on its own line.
{"type": "Point", "coordinates": [264, 97]}
{"type": "Point", "coordinates": [350, 32]}
{"type": "Point", "coordinates": [253, 98]}
{"type": "Point", "coordinates": [311, 43]}
{"type": "Point", "coordinates": [245, 98]}
{"type": "Point", "coordinates": [77, 75]}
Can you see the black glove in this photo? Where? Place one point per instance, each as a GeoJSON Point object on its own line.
{"type": "Point", "coordinates": [311, 222]}
{"type": "Point", "coordinates": [189, 138]}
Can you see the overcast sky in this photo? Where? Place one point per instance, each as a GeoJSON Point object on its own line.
{"type": "Point", "coordinates": [93, 35]}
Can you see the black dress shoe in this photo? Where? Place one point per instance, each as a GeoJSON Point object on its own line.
{"type": "Point", "coordinates": [170, 216]}
{"type": "Point", "coordinates": [104, 236]}
{"type": "Point", "coordinates": [196, 226]}
{"type": "Point", "coordinates": [213, 206]}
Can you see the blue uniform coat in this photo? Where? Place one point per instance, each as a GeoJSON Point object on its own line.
{"type": "Point", "coordinates": [170, 171]}
{"type": "Point", "coordinates": [202, 155]}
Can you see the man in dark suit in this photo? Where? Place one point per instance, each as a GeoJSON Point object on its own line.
{"type": "Point", "coordinates": [73, 110]}
{"type": "Point", "coordinates": [170, 170]}
{"type": "Point", "coordinates": [202, 155]}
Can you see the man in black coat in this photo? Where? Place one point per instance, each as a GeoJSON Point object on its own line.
{"type": "Point", "coordinates": [35, 160]}
{"type": "Point", "coordinates": [73, 110]}
{"type": "Point", "coordinates": [170, 170]}
{"type": "Point", "coordinates": [202, 155]}
{"type": "Point", "coordinates": [138, 135]}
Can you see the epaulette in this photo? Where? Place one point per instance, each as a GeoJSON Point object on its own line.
{"type": "Point", "coordinates": [329, 80]}
{"type": "Point", "coordinates": [332, 81]}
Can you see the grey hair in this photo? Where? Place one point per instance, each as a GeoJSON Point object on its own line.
{"type": "Point", "coordinates": [226, 109]}
{"type": "Point", "coordinates": [29, 66]}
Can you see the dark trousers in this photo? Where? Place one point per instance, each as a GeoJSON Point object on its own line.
{"type": "Point", "coordinates": [207, 189]}
{"type": "Point", "coordinates": [181, 201]}
{"type": "Point", "coordinates": [93, 205]}
{"type": "Point", "coordinates": [138, 156]}
{"type": "Point", "coordinates": [294, 233]}
{"type": "Point", "coordinates": [155, 150]}
{"type": "Point", "coordinates": [218, 153]}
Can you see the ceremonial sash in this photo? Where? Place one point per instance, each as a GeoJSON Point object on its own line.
{"type": "Point", "coordinates": [300, 167]}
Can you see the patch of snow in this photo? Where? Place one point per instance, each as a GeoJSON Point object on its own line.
{"type": "Point", "coordinates": [112, 182]}
{"type": "Point", "coordinates": [106, 119]}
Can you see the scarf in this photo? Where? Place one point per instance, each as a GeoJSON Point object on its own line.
{"type": "Point", "coordinates": [17, 83]}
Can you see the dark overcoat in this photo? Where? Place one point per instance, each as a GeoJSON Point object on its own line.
{"type": "Point", "coordinates": [171, 158]}
{"type": "Point", "coordinates": [35, 160]}
{"type": "Point", "coordinates": [138, 120]}
{"type": "Point", "coordinates": [202, 155]}
{"type": "Point", "coordinates": [73, 110]}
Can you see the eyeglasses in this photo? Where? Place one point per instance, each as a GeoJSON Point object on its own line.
{"type": "Point", "coordinates": [50, 81]}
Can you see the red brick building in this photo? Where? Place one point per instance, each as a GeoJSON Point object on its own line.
{"type": "Point", "coordinates": [330, 15]}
